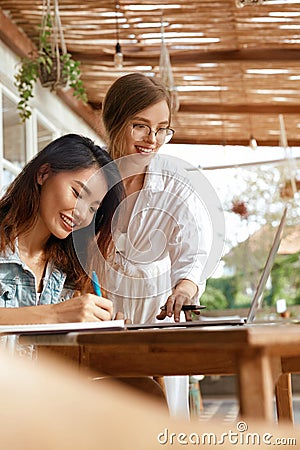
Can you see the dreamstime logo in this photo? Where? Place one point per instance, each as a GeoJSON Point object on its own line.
{"type": "Point", "coordinates": [239, 437]}
{"type": "Point", "coordinates": [173, 228]}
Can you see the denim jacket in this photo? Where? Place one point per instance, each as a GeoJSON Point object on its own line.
{"type": "Point", "coordinates": [18, 288]}
{"type": "Point", "coordinates": [18, 284]}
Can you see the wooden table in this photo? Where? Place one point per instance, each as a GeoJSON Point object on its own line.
{"type": "Point", "coordinates": [262, 357]}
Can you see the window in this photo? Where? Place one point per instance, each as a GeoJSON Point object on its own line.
{"type": "Point", "coordinates": [44, 135]}
{"type": "Point", "coordinates": [19, 141]}
{"type": "Point", "coordinates": [13, 149]}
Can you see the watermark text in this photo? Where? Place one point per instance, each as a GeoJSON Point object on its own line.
{"type": "Point", "coordinates": [238, 437]}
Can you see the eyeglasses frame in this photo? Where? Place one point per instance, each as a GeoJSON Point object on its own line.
{"type": "Point", "coordinates": [155, 132]}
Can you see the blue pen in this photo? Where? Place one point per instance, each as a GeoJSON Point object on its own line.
{"type": "Point", "coordinates": [96, 284]}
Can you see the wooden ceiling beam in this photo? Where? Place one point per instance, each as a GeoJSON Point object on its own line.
{"type": "Point", "coordinates": [230, 109]}
{"type": "Point", "coordinates": [239, 109]}
{"type": "Point", "coordinates": [177, 58]}
{"type": "Point", "coordinates": [14, 37]}
{"type": "Point", "coordinates": [243, 45]}
{"type": "Point", "coordinates": [239, 142]}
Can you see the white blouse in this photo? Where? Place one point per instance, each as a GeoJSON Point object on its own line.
{"type": "Point", "coordinates": [167, 240]}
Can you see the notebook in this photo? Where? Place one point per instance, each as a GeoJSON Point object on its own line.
{"type": "Point", "coordinates": [107, 325]}
{"type": "Point", "coordinates": [255, 304]}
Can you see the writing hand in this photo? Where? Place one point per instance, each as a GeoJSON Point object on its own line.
{"type": "Point", "coordinates": [84, 308]}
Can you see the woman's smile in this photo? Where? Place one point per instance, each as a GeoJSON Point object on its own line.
{"type": "Point", "coordinates": [68, 222]}
{"type": "Point", "coordinates": [145, 150]}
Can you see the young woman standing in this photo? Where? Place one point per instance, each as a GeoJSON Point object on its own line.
{"type": "Point", "coordinates": [160, 241]}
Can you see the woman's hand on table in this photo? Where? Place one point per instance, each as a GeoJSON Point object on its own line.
{"type": "Point", "coordinates": [183, 294]}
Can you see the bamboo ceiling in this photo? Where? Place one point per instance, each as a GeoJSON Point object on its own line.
{"type": "Point", "coordinates": [235, 69]}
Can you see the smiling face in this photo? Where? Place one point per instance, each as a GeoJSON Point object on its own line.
{"type": "Point", "coordinates": [69, 200]}
{"type": "Point", "coordinates": [155, 117]}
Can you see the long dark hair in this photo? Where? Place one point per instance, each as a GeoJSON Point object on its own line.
{"type": "Point", "coordinates": [20, 204]}
{"type": "Point", "coordinates": [126, 97]}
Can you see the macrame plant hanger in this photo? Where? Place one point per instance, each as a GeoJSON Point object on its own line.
{"type": "Point", "coordinates": [289, 188]}
{"type": "Point", "coordinates": [52, 43]}
{"type": "Point", "coordinates": [165, 71]}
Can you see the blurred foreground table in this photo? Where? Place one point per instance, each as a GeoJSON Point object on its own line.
{"type": "Point", "coordinates": [262, 356]}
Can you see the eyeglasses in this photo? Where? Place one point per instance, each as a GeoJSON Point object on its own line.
{"type": "Point", "coordinates": [141, 131]}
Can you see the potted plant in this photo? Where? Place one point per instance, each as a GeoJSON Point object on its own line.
{"type": "Point", "coordinates": [51, 64]}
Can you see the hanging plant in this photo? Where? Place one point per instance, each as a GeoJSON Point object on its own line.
{"type": "Point", "coordinates": [51, 64]}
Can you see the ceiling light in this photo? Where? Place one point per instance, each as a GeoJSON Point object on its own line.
{"type": "Point", "coordinates": [118, 58]}
{"type": "Point", "coordinates": [253, 143]}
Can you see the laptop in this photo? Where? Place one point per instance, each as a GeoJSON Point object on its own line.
{"type": "Point", "coordinates": [255, 304]}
